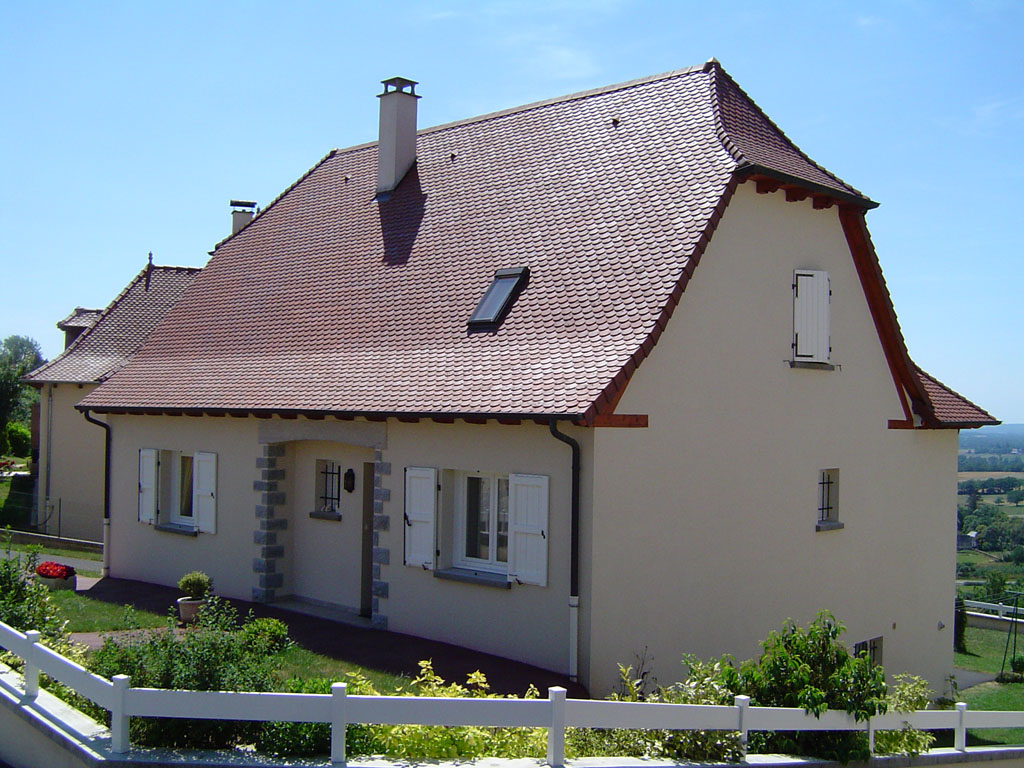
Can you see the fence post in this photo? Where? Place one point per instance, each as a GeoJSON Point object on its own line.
{"type": "Point", "coordinates": [339, 721]}
{"type": "Point", "coordinates": [960, 740]}
{"type": "Point", "coordinates": [556, 731]}
{"type": "Point", "coordinates": [31, 668]}
{"type": "Point", "coordinates": [119, 721]}
{"type": "Point", "coordinates": [742, 706]}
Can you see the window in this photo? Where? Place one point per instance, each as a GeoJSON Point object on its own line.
{"type": "Point", "coordinates": [873, 649]}
{"type": "Point", "coordinates": [491, 523]}
{"type": "Point", "coordinates": [178, 490]}
{"type": "Point", "coordinates": [481, 522]}
{"type": "Point", "coordinates": [811, 298]}
{"type": "Point", "coordinates": [828, 500]}
{"type": "Point", "coordinates": [328, 486]}
{"type": "Point", "coordinates": [500, 295]}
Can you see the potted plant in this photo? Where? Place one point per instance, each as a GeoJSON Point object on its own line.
{"type": "Point", "coordinates": [196, 585]}
{"type": "Point", "coordinates": [56, 575]}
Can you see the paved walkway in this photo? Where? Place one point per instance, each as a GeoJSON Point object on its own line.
{"type": "Point", "coordinates": [374, 648]}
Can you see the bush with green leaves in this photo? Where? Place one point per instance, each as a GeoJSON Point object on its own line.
{"type": "Point", "coordinates": [704, 684]}
{"type": "Point", "coordinates": [18, 439]}
{"type": "Point", "coordinates": [960, 625]}
{"type": "Point", "coordinates": [25, 603]}
{"type": "Point", "coordinates": [810, 668]}
{"type": "Point", "coordinates": [909, 694]}
{"type": "Point", "coordinates": [195, 584]}
{"type": "Point", "coordinates": [218, 654]}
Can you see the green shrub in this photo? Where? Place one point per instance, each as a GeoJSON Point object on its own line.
{"type": "Point", "coordinates": [265, 637]}
{"type": "Point", "coordinates": [195, 584]}
{"type": "Point", "coordinates": [960, 626]}
{"type": "Point", "coordinates": [812, 670]}
{"type": "Point", "coordinates": [25, 603]}
{"type": "Point", "coordinates": [1017, 665]}
{"type": "Point", "coordinates": [910, 693]}
{"type": "Point", "coordinates": [704, 684]}
{"type": "Point", "coordinates": [18, 440]}
{"type": "Point", "coordinates": [216, 655]}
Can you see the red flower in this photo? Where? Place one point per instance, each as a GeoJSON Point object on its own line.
{"type": "Point", "coordinates": [52, 570]}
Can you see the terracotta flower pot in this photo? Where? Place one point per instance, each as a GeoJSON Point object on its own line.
{"type": "Point", "coordinates": [188, 608]}
{"type": "Point", "coordinates": [55, 584]}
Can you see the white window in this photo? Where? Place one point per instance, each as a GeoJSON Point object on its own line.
{"type": "Point", "coordinates": [178, 489]}
{"type": "Point", "coordinates": [811, 298]}
{"type": "Point", "coordinates": [328, 486]}
{"type": "Point", "coordinates": [481, 522]}
{"type": "Point", "coordinates": [491, 523]}
{"type": "Point", "coordinates": [828, 499]}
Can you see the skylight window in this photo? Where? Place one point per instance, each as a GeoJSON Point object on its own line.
{"type": "Point", "coordinates": [499, 296]}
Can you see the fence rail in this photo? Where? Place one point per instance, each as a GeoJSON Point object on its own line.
{"type": "Point", "coordinates": [555, 713]}
{"type": "Point", "coordinates": [996, 608]}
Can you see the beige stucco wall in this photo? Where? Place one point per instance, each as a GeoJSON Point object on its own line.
{"type": "Point", "coordinates": [327, 554]}
{"type": "Point", "coordinates": [526, 623]}
{"type": "Point", "coordinates": [71, 453]}
{"type": "Point", "coordinates": [139, 551]}
{"type": "Point", "coordinates": [704, 532]}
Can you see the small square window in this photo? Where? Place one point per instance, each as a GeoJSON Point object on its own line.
{"type": "Point", "coordinates": [873, 649]}
{"type": "Point", "coordinates": [499, 297]}
{"type": "Point", "coordinates": [828, 500]}
{"type": "Point", "coordinates": [482, 528]}
{"type": "Point", "coordinates": [328, 486]}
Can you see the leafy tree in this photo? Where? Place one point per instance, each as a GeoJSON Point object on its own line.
{"type": "Point", "coordinates": [18, 356]}
{"type": "Point", "coordinates": [1015, 497]}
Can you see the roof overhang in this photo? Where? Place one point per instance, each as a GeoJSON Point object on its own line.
{"type": "Point", "coordinates": [755, 172]}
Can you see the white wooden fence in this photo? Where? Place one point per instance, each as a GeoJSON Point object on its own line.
{"type": "Point", "coordinates": [997, 608]}
{"type": "Point", "coordinates": [555, 713]}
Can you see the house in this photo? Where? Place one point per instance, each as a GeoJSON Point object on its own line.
{"type": "Point", "coordinates": [611, 372]}
{"type": "Point", "coordinates": [70, 459]}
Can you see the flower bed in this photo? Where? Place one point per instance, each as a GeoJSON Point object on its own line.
{"type": "Point", "coordinates": [56, 575]}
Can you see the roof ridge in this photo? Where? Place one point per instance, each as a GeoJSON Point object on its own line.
{"type": "Point", "coordinates": [277, 199]}
{"type": "Point", "coordinates": [713, 67]}
{"type": "Point", "coordinates": [718, 68]}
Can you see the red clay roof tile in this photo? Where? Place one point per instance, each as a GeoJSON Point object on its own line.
{"type": "Point", "coordinates": [952, 408]}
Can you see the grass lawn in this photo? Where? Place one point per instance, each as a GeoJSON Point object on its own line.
{"type": "Point", "coordinates": [84, 614]}
{"type": "Point", "coordinates": [995, 696]}
{"type": "Point", "coordinates": [298, 662]}
{"type": "Point", "coordinates": [985, 650]}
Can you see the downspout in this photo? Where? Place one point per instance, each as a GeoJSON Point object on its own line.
{"type": "Point", "coordinates": [574, 554]}
{"type": "Point", "coordinates": [106, 491]}
{"type": "Point", "coordinates": [42, 507]}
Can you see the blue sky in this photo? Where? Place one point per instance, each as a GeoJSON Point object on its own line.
{"type": "Point", "coordinates": [126, 128]}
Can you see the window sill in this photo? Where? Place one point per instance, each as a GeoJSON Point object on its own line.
{"type": "Point", "coordinates": [829, 525]}
{"type": "Point", "coordinates": [483, 578]}
{"type": "Point", "coordinates": [335, 516]}
{"type": "Point", "coordinates": [811, 365]}
{"type": "Point", "coordinates": [176, 528]}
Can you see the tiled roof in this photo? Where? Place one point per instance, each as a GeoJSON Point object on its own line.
{"type": "Point", "coordinates": [120, 328]}
{"type": "Point", "coordinates": [952, 408]}
{"type": "Point", "coordinates": [329, 302]}
{"type": "Point", "coordinates": [80, 317]}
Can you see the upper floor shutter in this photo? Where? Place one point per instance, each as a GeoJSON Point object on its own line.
{"type": "Point", "coordinates": [527, 529]}
{"type": "Point", "coordinates": [204, 491]}
{"type": "Point", "coordinates": [811, 296]}
{"type": "Point", "coordinates": [147, 485]}
{"type": "Point", "coordinates": [420, 513]}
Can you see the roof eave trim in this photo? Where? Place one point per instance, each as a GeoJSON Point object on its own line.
{"type": "Point", "coordinates": [308, 412]}
{"type": "Point", "coordinates": [749, 169]}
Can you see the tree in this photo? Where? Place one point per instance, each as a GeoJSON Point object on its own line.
{"type": "Point", "coordinates": [1015, 497]}
{"type": "Point", "coordinates": [18, 356]}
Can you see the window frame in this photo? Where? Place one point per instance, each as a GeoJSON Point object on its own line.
{"type": "Point", "coordinates": [460, 528]}
{"type": "Point", "coordinates": [178, 496]}
{"type": "Point", "coordinates": [161, 497]}
{"type": "Point", "coordinates": [515, 280]}
{"type": "Point", "coordinates": [812, 313]}
{"type": "Point", "coordinates": [327, 471]}
{"type": "Point", "coordinates": [828, 500]}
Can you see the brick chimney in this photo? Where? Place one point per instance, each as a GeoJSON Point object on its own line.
{"type": "Point", "coordinates": [242, 212]}
{"type": "Point", "coordinates": [396, 149]}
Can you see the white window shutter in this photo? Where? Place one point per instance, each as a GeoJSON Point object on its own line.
{"type": "Point", "coordinates": [204, 491]}
{"type": "Point", "coordinates": [811, 297]}
{"type": "Point", "coordinates": [528, 529]}
{"type": "Point", "coordinates": [420, 513]}
{"type": "Point", "coordinates": [147, 485]}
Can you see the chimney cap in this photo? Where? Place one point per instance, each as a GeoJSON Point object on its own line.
{"type": "Point", "coordinates": [399, 84]}
{"type": "Point", "coordinates": [242, 204]}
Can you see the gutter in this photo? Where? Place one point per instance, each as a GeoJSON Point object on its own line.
{"type": "Point", "coordinates": [105, 571]}
{"type": "Point", "coordinates": [574, 561]}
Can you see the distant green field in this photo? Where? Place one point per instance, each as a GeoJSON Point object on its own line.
{"type": "Point", "coordinates": [985, 474]}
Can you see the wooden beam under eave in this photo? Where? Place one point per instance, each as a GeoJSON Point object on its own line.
{"type": "Point", "coordinates": [621, 420]}
{"type": "Point", "coordinates": [795, 194]}
{"type": "Point", "coordinates": [408, 419]}
{"type": "Point", "coordinates": [767, 186]}
{"type": "Point", "coordinates": [821, 202]}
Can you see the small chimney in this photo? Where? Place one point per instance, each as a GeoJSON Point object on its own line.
{"type": "Point", "coordinates": [396, 150]}
{"type": "Point", "coordinates": [242, 212]}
